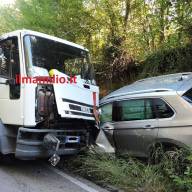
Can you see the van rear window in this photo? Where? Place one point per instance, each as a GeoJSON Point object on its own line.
{"type": "Point", "coordinates": [188, 96]}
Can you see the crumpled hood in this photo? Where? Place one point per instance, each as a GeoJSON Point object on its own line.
{"type": "Point", "coordinates": [75, 100]}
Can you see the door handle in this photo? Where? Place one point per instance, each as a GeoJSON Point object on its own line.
{"type": "Point", "coordinates": [108, 128]}
{"type": "Point", "coordinates": [148, 126]}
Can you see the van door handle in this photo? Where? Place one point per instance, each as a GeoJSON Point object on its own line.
{"type": "Point", "coordinates": [148, 126]}
{"type": "Point", "coordinates": [108, 128]}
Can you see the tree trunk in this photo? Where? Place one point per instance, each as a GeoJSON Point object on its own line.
{"type": "Point", "coordinates": [127, 12]}
{"type": "Point", "coordinates": [162, 26]}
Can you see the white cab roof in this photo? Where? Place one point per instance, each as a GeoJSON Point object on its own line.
{"type": "Point", "coordinates": [29, 32]}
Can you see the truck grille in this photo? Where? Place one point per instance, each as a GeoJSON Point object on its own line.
{"type": "Point", "coordinates": [78, 108]}
{"type": "Point", "coordinates": [75, 107]}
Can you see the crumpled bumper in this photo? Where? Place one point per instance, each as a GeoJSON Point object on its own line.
{"type": "Point", "coordinates": [29, 143]}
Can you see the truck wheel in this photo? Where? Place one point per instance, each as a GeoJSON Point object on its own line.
{"type": "Point", "coordinates": [6, 159]}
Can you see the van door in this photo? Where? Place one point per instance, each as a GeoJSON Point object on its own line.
{"type": "Point", "coordinates": [10, 92]}
{"type": "Point", "coordinates": [136, 128]}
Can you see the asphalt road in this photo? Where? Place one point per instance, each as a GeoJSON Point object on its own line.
{"type": "Point", "coordinates": [37, 176]}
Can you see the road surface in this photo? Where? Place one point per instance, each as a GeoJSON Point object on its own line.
{"type": "Point", "coordinates": [35, 176]}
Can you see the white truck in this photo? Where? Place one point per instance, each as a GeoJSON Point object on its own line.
{"type": "Point", "coordinates": [42, 118]}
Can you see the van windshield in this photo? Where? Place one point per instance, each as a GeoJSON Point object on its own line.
{"type": "Point", "coordinates": [49, 54]}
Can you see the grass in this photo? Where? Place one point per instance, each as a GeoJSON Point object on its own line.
{"type": "Point", "coordinates": [128, 174]}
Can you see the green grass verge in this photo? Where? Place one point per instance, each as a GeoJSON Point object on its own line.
{"type": "Point", "coordinates": [173, 174]}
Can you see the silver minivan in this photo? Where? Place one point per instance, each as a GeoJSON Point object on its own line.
{"type": "Point", "coordinates": [149, 112]}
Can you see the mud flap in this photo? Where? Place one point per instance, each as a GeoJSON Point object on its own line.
{"type": "Point", "coordinates": [103, 143]}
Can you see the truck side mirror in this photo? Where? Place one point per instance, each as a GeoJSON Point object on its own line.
{"type": "Point", "coordinates": [11, 81]}
{"type": "Point", "coordinates": [14, 88]}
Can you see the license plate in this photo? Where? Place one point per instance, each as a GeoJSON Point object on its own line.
{"type": "Point", "coordinates": [85, 109]}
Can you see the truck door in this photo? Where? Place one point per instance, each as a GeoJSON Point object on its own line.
{"type": "Point", "coordinates": [10, 92]}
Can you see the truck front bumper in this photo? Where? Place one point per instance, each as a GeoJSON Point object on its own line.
{"type": "Point", "coordinates": [29, 143]}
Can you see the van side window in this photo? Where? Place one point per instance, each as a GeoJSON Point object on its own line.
{"type": "Point", "coordinates": [106, 113]}
{"type": "Point", "coordinates": [149, 109]}
{"type": "Point", "coordinates": [163, 110]}
{"type": "Point", "coordinates": [139, 109]}
{"type": "Point", "coordinates": [188, 96]}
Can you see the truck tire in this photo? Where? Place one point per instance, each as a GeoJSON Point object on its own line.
{"type": "Point", "coordinates": [7, 159]}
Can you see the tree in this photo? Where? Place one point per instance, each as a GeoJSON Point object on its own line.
{"type": "Point", "coordinates": [118, 33]}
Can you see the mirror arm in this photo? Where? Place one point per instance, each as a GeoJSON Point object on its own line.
{"type": "Point", "coordinates": [3, 83]}
{"type": "Point", "coordinates": [10, 82]}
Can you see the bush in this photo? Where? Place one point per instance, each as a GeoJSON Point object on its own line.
{"type": "Point", "coordinates": [179, 170]}
{"type": "Point", "coordinates": [172, 174]}
{"type": "Point", "coordinates": [168, 61]}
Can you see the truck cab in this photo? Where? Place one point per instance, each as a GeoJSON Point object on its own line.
{"type": "Point", "coordinates": [47, 90]}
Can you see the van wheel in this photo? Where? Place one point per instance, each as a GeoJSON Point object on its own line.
{"type": "Point", "coordinates": [160, 152]}
{"type": "Point", "coordinates": [176, 158]}
{"type": "Point", "coordinates": [155, 154]}
{"type": "Point", "coordinates": [171, 154]}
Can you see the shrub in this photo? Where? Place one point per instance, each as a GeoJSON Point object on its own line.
{"type": "Point", "coordinates": [172, 174]}
{"type": "Point", "coordinates": [168, 61]}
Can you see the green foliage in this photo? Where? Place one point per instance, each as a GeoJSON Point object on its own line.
{"type": "Point", "coordinates": [127, 174]}
{"type": "Point", "coordinates": [168, 61]}
{"type": "Point", "coordinates": [40, 15]}
{"type": "Point", "coordinates": [179, 169]}
{"type": "Point", "coordinates": [112, 29]}
{"type": "Point", "coordinates": [144, 26]}
{"type": "Point", "coordinates": [172, 174]}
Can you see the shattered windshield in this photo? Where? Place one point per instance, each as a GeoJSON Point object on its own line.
{"type": "Point", "coordinates": [49, 54]}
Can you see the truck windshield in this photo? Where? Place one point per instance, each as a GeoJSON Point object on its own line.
{"type": "Point", "coordinates": [50, 54]}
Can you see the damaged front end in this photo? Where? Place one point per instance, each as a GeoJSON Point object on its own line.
{"type": "Point", "coordinates": [53, 134]}
{"type": "Point", "coordinates": [57, 118]}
